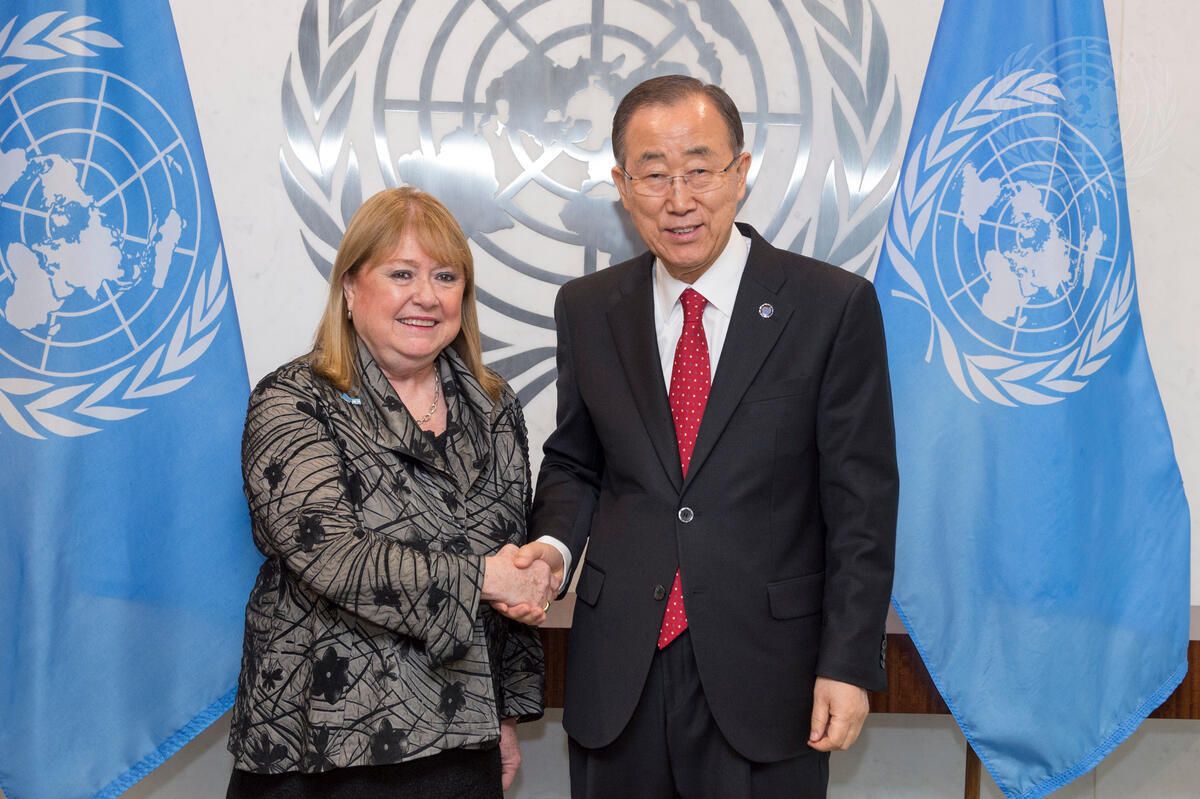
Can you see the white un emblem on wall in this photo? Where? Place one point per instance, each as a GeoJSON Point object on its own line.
{"type": "Point", "coordinates": [100, 215]}
{"type": "Point", "coordinates": [504, 110]}
{"type": "Point", "coordinates": [1017, 209]}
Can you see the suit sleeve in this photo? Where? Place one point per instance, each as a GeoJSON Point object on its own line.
{"type": "Point", "coordinates": [858, 490]}
{"type": "Point", "coordinates": [573, 460]}
{"type": "Point", "coordinates": [302, 513]}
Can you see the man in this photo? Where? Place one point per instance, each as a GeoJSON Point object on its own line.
{"type": "Point", "coordinates": [724, 448]}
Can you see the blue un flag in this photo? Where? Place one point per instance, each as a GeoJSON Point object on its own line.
{"type": "Point", "coordinates": [125, 555]}
{"type": "Point", "coordinates": [1043, 544]}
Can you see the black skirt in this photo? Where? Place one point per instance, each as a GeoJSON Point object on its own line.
{"type": "Point", "coordinates": [454, 774]}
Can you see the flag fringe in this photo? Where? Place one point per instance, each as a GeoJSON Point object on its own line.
{"type": "Point", "coordinates": [199, 723]}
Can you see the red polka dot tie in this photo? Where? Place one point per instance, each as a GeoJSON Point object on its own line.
{"type": "Point", "coordinates": [690, 378]}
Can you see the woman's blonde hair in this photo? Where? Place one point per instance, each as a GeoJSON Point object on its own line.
{"type": "Point", "coordinates": [374, 231]}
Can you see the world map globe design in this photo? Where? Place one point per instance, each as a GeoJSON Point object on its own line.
{"type": "Point", "coordinates": [510, 115]}
{"type": "Point", "coordinates": [1026, 235]}
{"type": "Point", "coordinates": [98, 224]}
{"type": "Point", "coordinates": [505, 115]}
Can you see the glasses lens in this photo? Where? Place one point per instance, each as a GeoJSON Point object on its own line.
{"type": "Point", "coordinates": [660, 185]}
{"type": "Point", "coordinates": [704, 181]}
{"type": "Point", "coordinates": [652, 185]}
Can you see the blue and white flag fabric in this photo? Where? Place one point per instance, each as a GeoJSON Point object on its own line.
{"type": "Point", "coordinates": [1042, 564]}
{"type": "Point", "coordinates": [125, 552]}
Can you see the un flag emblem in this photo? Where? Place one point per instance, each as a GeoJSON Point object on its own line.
{"type": "Point", "coordinates": [99, 232]}
{"type": "Point", "coordinates": [1026, 237]}
{"type": "Point", "coordinates": [1008, 231]}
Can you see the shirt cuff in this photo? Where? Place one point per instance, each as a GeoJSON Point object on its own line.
{"type": "Point", "coordinates": [566, 556]}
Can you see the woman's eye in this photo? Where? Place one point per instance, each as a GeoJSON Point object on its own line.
{"type": "Point", "coordinates": [447, 277]}
{"type": "Point", "coordinates": [400, 274]}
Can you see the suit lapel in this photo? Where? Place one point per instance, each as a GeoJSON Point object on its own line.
{"type": "Point", "coordinates": [631, 319]}
{"type": "Point", "coordinates": [747, 343]}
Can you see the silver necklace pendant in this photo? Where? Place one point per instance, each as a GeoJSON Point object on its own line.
{"type": "Point", "coordinates": [437, 393]}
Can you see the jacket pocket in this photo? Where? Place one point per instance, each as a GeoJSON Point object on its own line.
{"type": "Point", "coordinates": [591, 580]}
{"type": "Point", "coordinates": [777, 389]}
{"type": "Point", "coordinates": [797, 596]}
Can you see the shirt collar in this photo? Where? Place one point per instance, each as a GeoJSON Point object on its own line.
{"type": "Point", "coordinates": [719, 284]}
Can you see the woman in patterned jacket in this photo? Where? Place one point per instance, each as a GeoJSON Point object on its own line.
{"type": "Point", "coordinates": [387, 474]}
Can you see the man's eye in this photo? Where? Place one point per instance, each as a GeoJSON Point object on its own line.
{"type": "Point", "coordinates": [655, 177]}
{"type": "Point", "coordinates": [699, 173]}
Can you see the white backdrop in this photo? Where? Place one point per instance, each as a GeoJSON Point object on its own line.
{"type": "Point", "coordinates": [237, 57]}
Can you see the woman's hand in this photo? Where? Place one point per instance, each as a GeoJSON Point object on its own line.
{"type": "Point", "coordinates": [510, 752]}
{"type": "Point", "coordinates": [506, 585]}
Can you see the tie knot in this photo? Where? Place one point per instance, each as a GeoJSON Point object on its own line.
{"type": "Point", "coordinates": [693, 305]}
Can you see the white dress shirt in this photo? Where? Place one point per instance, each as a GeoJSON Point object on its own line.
{"type": "Point", "coordinates": [719, 285]}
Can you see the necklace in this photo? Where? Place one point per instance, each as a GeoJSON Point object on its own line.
{"type": "Point", "coordinates": [437, 393]}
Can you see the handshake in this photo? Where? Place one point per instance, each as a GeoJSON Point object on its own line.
{"type": "Point", "coordinates": [520, 581]}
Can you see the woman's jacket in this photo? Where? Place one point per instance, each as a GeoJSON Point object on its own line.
{"type": "Point", "coordinates": [366, 641]}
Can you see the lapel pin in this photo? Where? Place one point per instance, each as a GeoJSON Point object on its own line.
{"type": "Point", "coordinates": [350, 399]}
{"type": "Point", "coordinates": [766, 310]}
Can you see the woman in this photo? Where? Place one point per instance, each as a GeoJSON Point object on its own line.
{"type": "Point", "coordinates": [387, 474]}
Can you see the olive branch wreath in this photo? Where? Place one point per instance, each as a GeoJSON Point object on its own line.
{"type": "Point", "coordinates": [866, 117]}
{"type": "Point", "coordinates": [316, 113]}
{"type": "Point", "coordinates": [32, 406]}
{"type": "Point", "coordinates": [29, 405]}
{"type": "Point", "coordinates": [35, 41]}
{"type": "Point", "coordinates": [1000, 379]}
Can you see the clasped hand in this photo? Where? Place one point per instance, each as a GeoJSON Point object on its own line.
{"type": "Point", "coordinates": [520, 582]}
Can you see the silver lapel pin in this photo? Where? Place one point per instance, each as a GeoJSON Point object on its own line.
{"type": "Point", "coordinates": [766, 310]}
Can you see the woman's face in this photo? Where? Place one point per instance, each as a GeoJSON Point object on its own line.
{"type": "Point", "coordinates": [406, 307]}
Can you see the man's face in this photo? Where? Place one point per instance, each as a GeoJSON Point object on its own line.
{"type": "Point", "coordinates": [686, 230]}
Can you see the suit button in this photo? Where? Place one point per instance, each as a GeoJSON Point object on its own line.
{"type": "Point", "coordinates": [686, 514]}
{"type": "Point", "coordinates": [659, 592]}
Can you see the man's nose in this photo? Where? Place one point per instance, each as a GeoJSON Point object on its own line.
{"type": "Point", "coordinates": [680, 197]}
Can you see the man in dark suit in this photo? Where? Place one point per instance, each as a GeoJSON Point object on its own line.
{"type": "Point", "coordinates": [724, 448]}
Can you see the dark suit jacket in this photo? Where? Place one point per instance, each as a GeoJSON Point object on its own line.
{"type": "Point", "coordinates": [784, 528]}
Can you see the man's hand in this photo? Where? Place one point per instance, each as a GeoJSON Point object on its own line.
{"type": "Point", "coordinates": [510, 752]}
{"type": "Point", "coordinates": [521, 592]}
{"type": "Point", "coordinates": [537, 550]}
{"type": "Point", "coordinates": [839, 710]}
{"type": "Point", "coordinates": [534, 555]}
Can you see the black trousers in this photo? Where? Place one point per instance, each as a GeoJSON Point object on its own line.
{"type": "Point", "coordinates": [672, 749]}
{"type": "Point", "coordinates": [453, 774]}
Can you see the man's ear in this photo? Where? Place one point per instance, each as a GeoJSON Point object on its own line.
{"type": "Point", "coordinates": [618, 176]}
{"type": "Point", "coordinates": [742, 169]}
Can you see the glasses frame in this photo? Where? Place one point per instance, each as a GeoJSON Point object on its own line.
{"type": "Point", "coordinates": [721, 174]}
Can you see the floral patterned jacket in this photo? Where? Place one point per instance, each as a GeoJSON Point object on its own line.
{"type": "Point", "coordinates": [366, 641]}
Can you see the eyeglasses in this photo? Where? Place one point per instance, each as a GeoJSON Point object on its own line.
{"type": "Point", "coordinates": [656, 184]}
